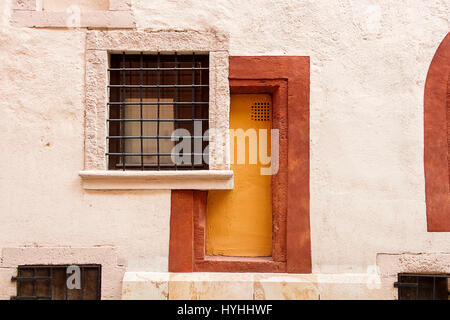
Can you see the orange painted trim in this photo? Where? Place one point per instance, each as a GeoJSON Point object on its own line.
{"type": "Point", "coordinates": [287, 79]}
{"type": "Point", "coordinates": [239, 265]}
{"type": "Point", "coordinates": [181, 250]}
{"type": "Point", "coordinates": [187, 240]}
{"type": "Point", "coordinates": [296, 71]}
{"type": "Point", "coordinates": [436, 140]}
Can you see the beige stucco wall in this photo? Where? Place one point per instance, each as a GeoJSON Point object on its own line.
{"type": "Point", "coordinates": [369, 61]}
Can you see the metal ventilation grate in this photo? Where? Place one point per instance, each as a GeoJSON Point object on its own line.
{"type": "Point", "coordinates": [423, 286]}
{"type": "Point", "coordinates": [260, 111]}
{"type": "Point", "coordinates": [40, 282]}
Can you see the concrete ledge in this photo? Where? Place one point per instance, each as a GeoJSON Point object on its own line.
{"type": "Point", "coordinates": [145, 286]}
{"type": "Point", "coordinates": [88, 19]}
{"type": "Point", "coordinates": [251, 286]}
{"type": "Point", "coordinates": [158, 180]}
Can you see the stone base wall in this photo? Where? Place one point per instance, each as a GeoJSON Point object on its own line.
{"type": "Point", "coordinates": [251, 286]}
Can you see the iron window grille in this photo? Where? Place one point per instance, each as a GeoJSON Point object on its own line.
{"type": "Point", "coordinates": [40, 282]}
{"type": "Point", "coordinates": [151, 96]}
{"type": "Point", "coordinates": [423, 286]}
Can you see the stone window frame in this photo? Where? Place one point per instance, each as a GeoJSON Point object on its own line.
{"type": "Point", "coordinates": [26, 13]}
{"type": "Point", "coordinates": [99, 45]}
{"type": "Point", "coordinates": [437, 140]}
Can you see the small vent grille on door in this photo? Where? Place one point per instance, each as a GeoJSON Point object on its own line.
{"type": "Point", "coordinates": [260, 111]}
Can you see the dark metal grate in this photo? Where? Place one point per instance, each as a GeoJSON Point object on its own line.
{"type": "Point", "coordinates": [260, 111]}
{"type": "Point", "coordinates": [151, 96]}
{"type": "Point", "coordinates": [39, 282]}
{"type": "Point", "coordinates": [423, 286]}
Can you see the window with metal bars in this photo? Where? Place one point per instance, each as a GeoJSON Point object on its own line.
{"type": "Point", "coordinates": [50, 283]}
{"type": "Point", "coordinates": [157, 101]}
{"type": "Point", "coordinates": [423, 286]}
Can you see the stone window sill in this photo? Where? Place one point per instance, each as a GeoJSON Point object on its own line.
{"type": "Point", "coordinates": [158, 180]}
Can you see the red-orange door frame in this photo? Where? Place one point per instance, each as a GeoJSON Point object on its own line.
{"type": "Point", "coordinates": [287, 79]}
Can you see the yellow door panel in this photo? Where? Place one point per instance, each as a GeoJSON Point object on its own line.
{"type": "Point", "coordinates": [239, 221]}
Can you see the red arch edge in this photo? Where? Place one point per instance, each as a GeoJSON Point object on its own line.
{"type": "Point", "coordinates": [436, 140]}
